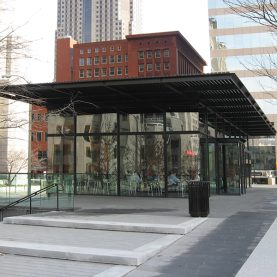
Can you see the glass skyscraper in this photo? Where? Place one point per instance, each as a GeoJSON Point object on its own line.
{"type": "Point", "coordinates": [242, 46]}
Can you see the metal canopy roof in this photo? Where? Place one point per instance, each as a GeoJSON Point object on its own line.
{"type": "Point", "coordinates": [228, 103]}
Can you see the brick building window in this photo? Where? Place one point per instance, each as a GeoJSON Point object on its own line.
{"type": "Point", "coordinates": [104, 59]}
{"type": "Point", "coordinates": [119, 58]}
{"type": "Point", "coordinates": [111, 71]}
{"type": "Point", "coordinates": [89, 73]}
{"type": "Point", "coordinates": [104, 71]}
{"type": "Point", "coordinates": [112, 59]}
{"type": "Point", "coordinates": [126, 70]}
{"type": "Point", "coordinates": [166, 52]}
{"type": "Point", "coordinates": [166, 66]}
{"type": "Point", "coordinates": [158, 66]}
{"type": "Point", "coordinates": [39, 136]}
{"type": "Point", "coordinates": [89, 61]}
{"type": "Point", "coordinates": [81, 51]}
{"type": "Point", "coordinates": [149, 67]}
{"type": "Point", "coordinates": [141, 55]}
{"type": "Point", "coordinates": [96, 72]}
{"type": "Point", "coordinates": [89, 50]}
{"type": "Point", "coordinates": [81, 62]}
{"type": "Point", "coordinates": [149, 54]}
{"type": "Point", "coordinates": [42, 155]}
{"type": "Point", "coordinates": [158, 53]}
{"type": "Point", "coordinates": [141, 67]}
{"type": "Point", "coordinates": [119, 71]}
{"type": "Point", "coordinates": [96, 60]}
{"type": "Point", "coordinates": [82, 73]}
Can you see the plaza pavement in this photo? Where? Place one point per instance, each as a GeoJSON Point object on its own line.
{"type": "Point", "coordinates": [220, 246]}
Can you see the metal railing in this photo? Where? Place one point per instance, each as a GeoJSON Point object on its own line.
{"type": "Point", "coordinates": [30, 196]}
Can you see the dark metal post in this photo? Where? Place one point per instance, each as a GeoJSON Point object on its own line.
{"type": "Point", "coordinates": [30, 206]}
{"type": "Point", "coordinates": [118, 153]}
{"type": "Point", "coordinates": [57, 190]}
{"type": "Point", "coordinates": [165, 156]}
{"type": "Point", "coordinates": [75, 155]}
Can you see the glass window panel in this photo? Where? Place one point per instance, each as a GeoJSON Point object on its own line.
{"type": "Point", "coordinates": [183, 161]}
{"type": "Point", "coordinates": [245, 41]}
{"type": "Point", "coordinates": [263, 157]}
{"type": "Point", "coordinates": [269, 106]}
{"type": "Point", "coordinates": [182, 121]}
{"type": "Point", "coordinates": [99, 123]}
{"type": "Point", "coordinates": [259, 83]}
{"type": "Point", "coordinates": [60, 124]}
{"type": "Point", "coordinates": [213, 4]}
{"type": "Point", "coordinates": [230, 21]}
{"type": "Point", "coordinates": [142, 165]}
{"type": "Point", "coordinates": [60, 155]}
{"type": "Point", "coordinates": [232, 168]}
{"type": "Point", "coordinates": [97, 165]}
{"type": "Point", "coordinates": [247, 62]}
{"type": "Point", "coordinates": [141, 123]}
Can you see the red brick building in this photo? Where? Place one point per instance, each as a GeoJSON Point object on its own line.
{"type": "Point", "coordinates": [144, 55]}
{"type": "Point", "coordinates": [39, 140]}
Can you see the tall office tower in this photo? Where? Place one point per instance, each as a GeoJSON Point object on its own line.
{"type": "Point", "coordinates": [240, 45]}
{"type": "Point", "coordinates": [98, 20]}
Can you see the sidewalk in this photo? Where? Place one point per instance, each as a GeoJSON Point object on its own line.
{"type": "Point", "coordinates": [221, 245]}
{"type": "Point", "coordinates": [218, 247]}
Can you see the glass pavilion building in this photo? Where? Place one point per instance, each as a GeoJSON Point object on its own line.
{"type": "Point", "coordinates": [241, 46]}
{"type": "Point", "coordinates": [126, 136]}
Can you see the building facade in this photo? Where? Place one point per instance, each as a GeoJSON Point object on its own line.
{"type": "Point", "coordinates": [145, 55]}
{"type": "Point", "coordinates": [241, 46]}
{"type": "Point", "coordinates": [98, 20]}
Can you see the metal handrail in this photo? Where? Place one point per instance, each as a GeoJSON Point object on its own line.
{"type": "Point", "coordinates": [29, 196]}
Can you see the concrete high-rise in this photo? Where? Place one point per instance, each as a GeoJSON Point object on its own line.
{"type": "Point", "coordinates": [242, 46]}
{"type": "Point", "coordinates": [98, 20]}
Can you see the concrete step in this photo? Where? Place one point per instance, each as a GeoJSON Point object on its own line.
{"type": "Point", "coordinates": [86, 254]}
{"type": "Point", "coordinates": [87, 223]}
{"type": "Point", "coordinates": [69, 236]}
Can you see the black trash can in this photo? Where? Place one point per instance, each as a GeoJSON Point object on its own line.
{"type": "Point", "coordinates": [199, 193]}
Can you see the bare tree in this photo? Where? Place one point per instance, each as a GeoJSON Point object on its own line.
{"type": "Point", "coordinates": [263, 13]}
{"type": "Point", "coordinates": [16, 162]}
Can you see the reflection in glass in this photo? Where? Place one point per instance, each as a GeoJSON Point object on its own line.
{"type": "Point", "coordinates": [230, 178]}
{"type": "Point", "coordinates": [96, 164]}
{"type": "Point", "coordinates": [182, 161]}
{"type": "Point", "coordinates": [247, 40]}
{"type": "Point", "coordinates": [232, 21]}
{"type": "Point", "coordinates": [58, 124]}
{"type": "Point", "coordinates": [97, 123]}
{"type": "Point", "coordinates": [61, 155]}
{"type": "Point", "coordinates": [142, 165]}
{"type": "Point", "coordinates": [263, 157]}
{"type": "Point", "coordinates": [141, 122]}
{"type": "Point", "coordinates": [212, 167]}
{"type": "Point", "coordinates": [268, 105]}
{"type": "Point", "coordinates": [259, 83]}
{"type": "Point", "coordinates": [182, 121]}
